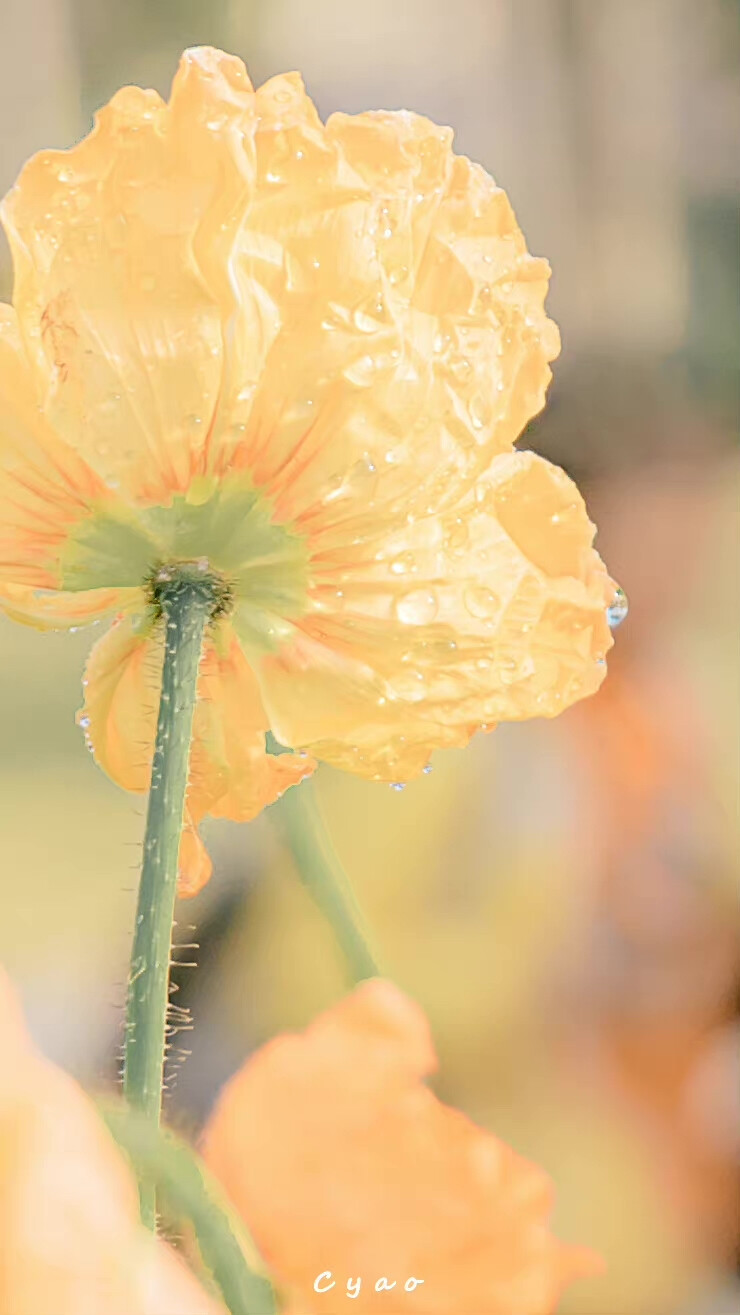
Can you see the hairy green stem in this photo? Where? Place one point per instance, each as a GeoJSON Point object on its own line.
{"type": "Point", "coordinates": [190, 1193]}
{"type": "Point", "coordinates": [299, 820]}
{"type": "Point", "coordinates": [186, 603]}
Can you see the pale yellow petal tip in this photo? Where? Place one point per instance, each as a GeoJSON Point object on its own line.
{"type": "Point", "coordinates": [130, 107]}
{"type": "Point", "coordinates": [283, 90]}
{"type": "Point", "coordinates": [209, 65]}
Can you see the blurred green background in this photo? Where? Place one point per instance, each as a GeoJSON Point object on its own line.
{"type": "Point", "coordinates": [562, 897]}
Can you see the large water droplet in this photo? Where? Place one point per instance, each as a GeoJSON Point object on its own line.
{"type": "Point", "coordinates": [364, 322]}
{"type": "Point", "coordinates": [617, 609]}
{"type": "Point", "coordinates": [409, 685]}
{"type": "Point", "coordinates": [417, 608]}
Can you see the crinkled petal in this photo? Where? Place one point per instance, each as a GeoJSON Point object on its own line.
{"type": "Point", "coordinates": [69, 1210]}
{"type": "Point", "coordinates": [46, 490]}
{"type": "Point", "coordinates": [122, 255]}
{"type": "Point", "coordinates": [230, 773]}
{"type": "Point", "coordinates": [409, 342]}
{"type": "Point", "coordinates": [493, 611]}
{"type": "Point", "coordinates": [339, 1157]}
{"type": "Point", "coordinates": [348, 310]}
{"type": "Point", "coordinates": [119, 715]}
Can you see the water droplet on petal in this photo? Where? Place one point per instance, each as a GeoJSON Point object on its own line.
{"type": "Point", "coordinates": [364, 322]}
{"type": "Point", "coordinates": [409, 685]}
{"type": "Point", "coordinates": [617, 609]}
{"type": "Point", "coordinates": [417, 608]}
{"type": "Point", "coordinates": [398, 785]}
{"type": "Point", "coordinates": [457, 535]}
{"type": "Point", "coordinates": [403, 563]}
{"type": "Point", "coordinates": [426, 770]}
{"type": "Point", "coordinates": [479, 413]}
{"type": "Point", "coordinates": [480, 602]}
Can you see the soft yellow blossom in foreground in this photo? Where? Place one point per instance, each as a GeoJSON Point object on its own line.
{"type": "Point", "coordinates": [341, 1159]}
{"type": "Point", "coordinates": [299, 355]}
{"type": "Point", "coordinates": [70, 1238]}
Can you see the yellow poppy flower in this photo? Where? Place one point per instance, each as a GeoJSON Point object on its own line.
{"type": "Point", "coordinates": [299, 355]}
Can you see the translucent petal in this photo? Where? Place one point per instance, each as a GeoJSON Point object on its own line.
{"type": "Point", "coordinates": [409, 342]}
{"type": "Point", "coordinates": [495, 610]}
{"type": "Point", "coordinates": [122, 249]}
{"type": "Point", "coordinates": [230, 773]}
{"type": "Point", "coordinates": [46, 490]}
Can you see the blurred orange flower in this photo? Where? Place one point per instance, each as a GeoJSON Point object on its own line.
{"type": "Point", "coordinates": [69, 1208]}
{"type": "Point", "coordinates": [345, 1166]}
{"type": "Point", "coordinates": [298, 355]}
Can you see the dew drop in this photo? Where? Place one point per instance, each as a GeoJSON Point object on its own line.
{"type": "Point", "coordinates": [417, 608]}
{"type": "Point", "coordinates": [457, 535]}
{"type": "Point", "coordinates": [480, 602]}
{"type": "Point", "coordinates": [617, 610]}
{"type": "Point", "coordinates": [427, 770]}
{"type": "Point", "coordinates": [84, 722]}
{"type": "Point", "coordinates": [409, 685]}
{"type": "Point", "coordinates": [403, 563]}
{"type": "Point", "coordinates": [480, 412]}
{"type": "Point", "coordinates": [364, 322]}
{"type": "Point", "coordinates": [398, 785]}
